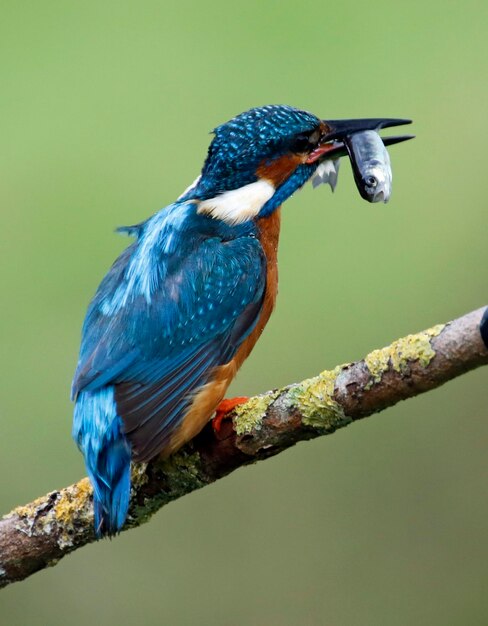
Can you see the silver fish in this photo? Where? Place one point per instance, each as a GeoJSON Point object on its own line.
{"type": "Point", "coordinates": [370, 164]}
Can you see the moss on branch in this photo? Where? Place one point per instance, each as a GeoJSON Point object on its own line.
{"type": "Point", "coordinates": [38, 534]}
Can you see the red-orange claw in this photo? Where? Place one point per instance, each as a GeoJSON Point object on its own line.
{"type": "Point", "coordinates": [224, 408]}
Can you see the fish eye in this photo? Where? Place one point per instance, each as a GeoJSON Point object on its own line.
{"type": "Point", "coordinates": [371, 181]}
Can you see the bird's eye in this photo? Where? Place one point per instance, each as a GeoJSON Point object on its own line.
{"type": "Point", "coordinates": [301, 143]}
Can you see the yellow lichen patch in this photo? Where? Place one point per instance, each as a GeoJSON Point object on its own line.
{"type": "Point", "coordinates": [73, 499]}
{"type": "Point", "coordinates": [29, 510]}
{"type": "Point", "coordinates": [138, 475]}
{"type": "Point", "coordinates": [377, 363]}
{"type": "Point", "coordinates": [314, 398]}
{"type": "Point", "coordinates": [249, 416]}
{"type": "Point", "coordinates": [400, 353]}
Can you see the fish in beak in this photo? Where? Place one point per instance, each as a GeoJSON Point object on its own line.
{"type": "Point", "coordinates": [367, 152]}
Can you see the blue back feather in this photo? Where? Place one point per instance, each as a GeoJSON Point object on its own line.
{"type": "Point", "coordinates": [177, 303]}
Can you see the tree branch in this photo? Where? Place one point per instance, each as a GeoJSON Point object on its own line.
{"type": "Point", "coordinates": [39, 534]}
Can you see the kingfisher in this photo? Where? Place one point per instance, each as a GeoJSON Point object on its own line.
{"type": "Point", "coordinates": [182, 307]}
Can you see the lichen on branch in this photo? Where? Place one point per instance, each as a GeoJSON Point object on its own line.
{"type": "Point", "coordinates": [38, 534]}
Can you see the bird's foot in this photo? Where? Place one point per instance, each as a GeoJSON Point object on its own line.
{"type": "Point", "coordinates": [224, 408]}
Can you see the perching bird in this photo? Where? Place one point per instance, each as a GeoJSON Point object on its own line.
{"type": "Point", "coordinates": [183, 306]}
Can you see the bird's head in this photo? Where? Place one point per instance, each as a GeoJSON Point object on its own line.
{"type": "Point", "coordinates": [261, 157]}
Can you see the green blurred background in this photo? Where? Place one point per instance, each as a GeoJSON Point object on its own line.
{"type": "Point", "coordinates": [104, 113]}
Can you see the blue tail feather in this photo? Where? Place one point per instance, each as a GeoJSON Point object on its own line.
{"type": "Point", "coordinates": [97, 429]}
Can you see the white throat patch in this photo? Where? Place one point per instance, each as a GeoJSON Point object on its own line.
{"type": "Point", "coordinates": [239, 205]}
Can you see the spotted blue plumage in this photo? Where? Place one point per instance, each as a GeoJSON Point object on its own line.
{"type": "Point", "coordinates": [248, 140]}
{"type": "Point", "coordinates": [177, 303]}
{"type": "Point", "coordinates": [182, 299]}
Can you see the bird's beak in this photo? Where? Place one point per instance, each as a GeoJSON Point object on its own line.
{"type": "Point", "coordinates": [335, 131]}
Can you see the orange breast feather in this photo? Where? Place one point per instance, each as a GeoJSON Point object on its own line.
{"type": "Point", "coordinates": [210, 395]}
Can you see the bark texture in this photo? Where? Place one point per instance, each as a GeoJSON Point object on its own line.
{"type": "Point", "coordinates": [40, 533]}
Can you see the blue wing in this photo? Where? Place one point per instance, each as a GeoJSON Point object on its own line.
{"type": "Point", "coordinates": [176, 304]}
